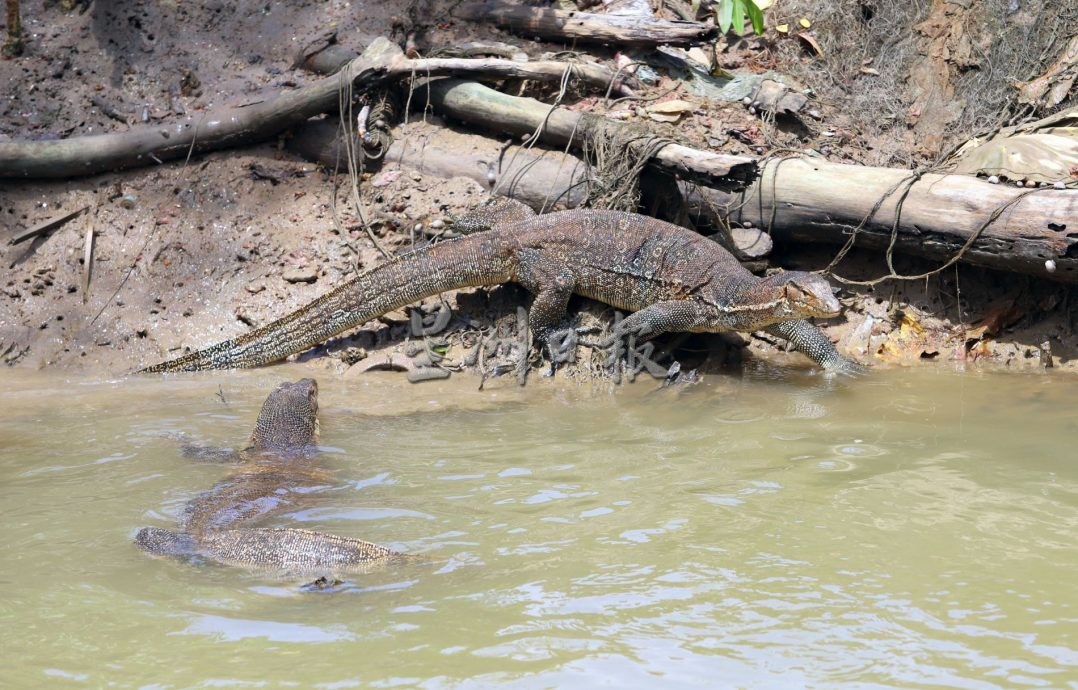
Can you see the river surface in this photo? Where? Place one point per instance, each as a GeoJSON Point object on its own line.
{"type": "Point", "coordinates": [914, 529]}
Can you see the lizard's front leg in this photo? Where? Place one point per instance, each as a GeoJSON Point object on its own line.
{"type": "Point", "coordinates": [811, 341]}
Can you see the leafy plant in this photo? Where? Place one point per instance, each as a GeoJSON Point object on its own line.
{"type": "Point", "coordinates": [730, 14]}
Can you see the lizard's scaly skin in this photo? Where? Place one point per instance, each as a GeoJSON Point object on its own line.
{"type": "Point", "coordinates": [673, 279]}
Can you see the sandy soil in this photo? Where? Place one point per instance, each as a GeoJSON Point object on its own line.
{"type": "Point", "coordinates": [187, 254]}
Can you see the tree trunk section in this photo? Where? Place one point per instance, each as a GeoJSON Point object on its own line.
{"type": "Point", "coordinates": [817, 201]}
{"type": "Point", "coordinates": [584, 27]}
{"type": "Point", "coordinates": [493, 110]}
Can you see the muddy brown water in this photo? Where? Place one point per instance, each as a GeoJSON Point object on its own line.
{"type": "Point", "coordinates": [912, 529]}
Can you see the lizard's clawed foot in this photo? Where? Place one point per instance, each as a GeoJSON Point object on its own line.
{"type": "Point", "coordinates": [560, 347]}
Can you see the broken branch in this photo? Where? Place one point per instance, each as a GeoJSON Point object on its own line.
{"type": "Point", "coordinates": [48, 226]}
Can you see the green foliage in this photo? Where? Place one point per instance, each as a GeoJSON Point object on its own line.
{"type": "Point", "coordinates": [730, 14]}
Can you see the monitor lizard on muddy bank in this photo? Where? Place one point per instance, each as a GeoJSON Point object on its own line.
{"type": "Point", "coordinates": [273, 474]}
{"type": "Point", "coordinates": [671, 278]}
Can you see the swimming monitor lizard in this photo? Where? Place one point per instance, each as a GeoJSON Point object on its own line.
{"type": "Point", "coordinates": [273, 474]}
{"type": "Point", "coordinates": [671, 278]}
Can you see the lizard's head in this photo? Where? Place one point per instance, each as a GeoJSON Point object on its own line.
{"type": "Point", "coordinates": [289, 418]}
{"type": "Point", "coordinates": [802, 295]}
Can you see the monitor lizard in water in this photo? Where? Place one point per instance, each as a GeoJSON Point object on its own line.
{"type": "Point", "coordinates": [273, 474]}
{"type": "Point", "coordinates": [673, 279]}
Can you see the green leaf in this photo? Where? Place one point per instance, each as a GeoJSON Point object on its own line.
{"type": "Point", "coordinates": [738, 23]}
{"type": "Point", "coordinates": [756, 16]}
{"type": "Point", "coordinates": [724, 14]}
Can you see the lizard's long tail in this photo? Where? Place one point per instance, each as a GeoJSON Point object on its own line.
{"type": "Point", "coordinates": [480, 259]}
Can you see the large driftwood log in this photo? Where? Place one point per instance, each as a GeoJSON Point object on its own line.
{"type": "Point", "coordinates": [541, 178]}
{"type": "Point", "coordinates": [812, 200]}
{"type": "Point", "coordinates": [484, 107]}
{"type": "Point", "coordinates": [237, 126]}
{"type": "Point", "coordinates": [559, 25]}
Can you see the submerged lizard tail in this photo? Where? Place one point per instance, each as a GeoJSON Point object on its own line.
{"type": "Point", "coordinates": [294, 550]}
{"type": "Point", "coordinates": [482, 259]}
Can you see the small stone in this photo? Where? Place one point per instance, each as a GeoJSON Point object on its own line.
{"type": "Point", "coordinates": [255, 286]}
{"type": "Point", "coordinates": [426, 374]}
{"type": "Point", "coordinates": [386, 177]}
{"type": "Point", "coordinates": [1050, 265]}
{"type": "Point", "coordinates": [396, 317]}
{"type": "Point", "coordinates": [746, 100]}
{"type": "Point", "coordinates": [300, 274]}
{"type": "Point", "coordinates": [437, 224]}
{"type": "Point", "coordinates": [351, 355]}
{"type": "Point", "coordinates": [994, 179]}
{"type": "Point", "coordinates": [1046, 355]}
{"type": "Point", "coordinates": [1018, 183]}
{"type": "Point", "coordinates": [751, 243]}
{"type": "Point", "coordinates": [1060, 184]}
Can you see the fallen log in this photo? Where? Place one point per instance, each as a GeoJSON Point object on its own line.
{"type": "Point", "coordinates": [560, 25]}
{"type": "Point", "coordinates": [543, 179]}
{"type": "Point", "coordinates": [812, 200]}
{"type": "Point", "coordinates": [492, 110]}
{"type": "Point", "coordinates": [253, 122]}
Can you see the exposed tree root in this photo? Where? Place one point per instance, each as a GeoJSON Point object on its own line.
{"type": "Point", "coordinates": [245, 124]}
